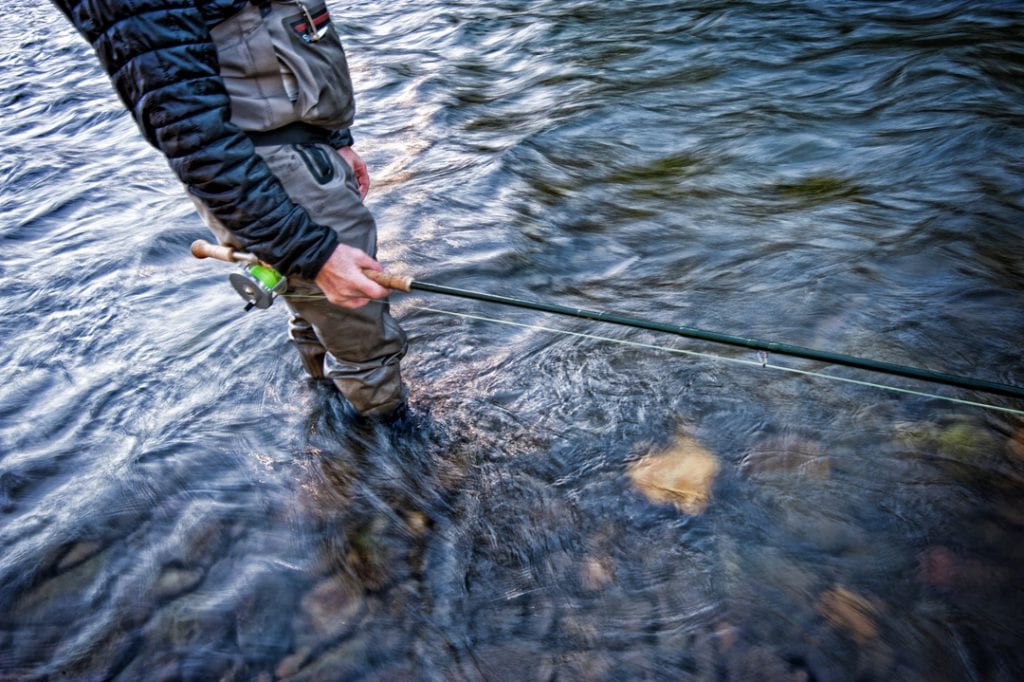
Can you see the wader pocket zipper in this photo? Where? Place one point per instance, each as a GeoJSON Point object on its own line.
{"type": "Point", "coordinates": [317, 162]}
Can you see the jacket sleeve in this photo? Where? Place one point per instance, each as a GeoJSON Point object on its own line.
{"type": "Point", "coordinates": [163, 64]}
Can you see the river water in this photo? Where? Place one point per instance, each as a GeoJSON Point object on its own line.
{"type": "Point", "coordinates": [178, 502]}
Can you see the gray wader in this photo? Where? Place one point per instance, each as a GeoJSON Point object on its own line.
{"type": "Point", "coordinates": [282, 64]}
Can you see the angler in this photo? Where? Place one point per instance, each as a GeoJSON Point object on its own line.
{"type": "Point", "coordinates": [251, 102]}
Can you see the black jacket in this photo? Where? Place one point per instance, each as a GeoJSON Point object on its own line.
{"type": "Point", "coordinates": [163, 64]}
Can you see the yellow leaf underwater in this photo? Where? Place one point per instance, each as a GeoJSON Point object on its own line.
{"type": "Point", "coordinates": [682, 475]}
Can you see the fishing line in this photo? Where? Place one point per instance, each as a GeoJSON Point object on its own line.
{"type": "Point", "coordinates": [713, 356]}
{"type": "Point", "coordinates": [407, 284]}
{"type": "Point", "coordinates": [259, 284]}
{"type": "Point", "coordinates": [736, 360]}
{"type": "Point", "coordinates": [739, 361]}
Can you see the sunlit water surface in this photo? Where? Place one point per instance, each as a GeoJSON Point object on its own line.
{"type": "Point", "coordinates": [178, 502]}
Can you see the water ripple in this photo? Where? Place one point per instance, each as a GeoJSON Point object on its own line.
{"type": "Point", "coordinates": [176, 501]}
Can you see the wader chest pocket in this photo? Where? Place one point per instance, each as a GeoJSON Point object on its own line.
{"type": "Point", "coordinates": [282, 61]}
{"type": "Point", "coordinates": [250, 71]}
{"type": "Point", "coordinates": [313, 65]}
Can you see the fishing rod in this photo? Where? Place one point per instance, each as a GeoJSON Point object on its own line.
{"type": "Point", "coordinates": [259, 284]}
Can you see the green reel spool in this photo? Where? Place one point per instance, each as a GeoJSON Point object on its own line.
{"type": "Point", "coordinates": [258, 284]}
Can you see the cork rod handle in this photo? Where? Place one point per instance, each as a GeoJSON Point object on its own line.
{"type": "Point", "coordinates": [390, 281]}
{"type": "Point", "coordinates": [204, 249]}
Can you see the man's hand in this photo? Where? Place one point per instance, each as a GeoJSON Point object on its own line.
{"type": "Point", "coordinates": [343, 282]}
{"type": "Point", "coordinates": [358, 167]}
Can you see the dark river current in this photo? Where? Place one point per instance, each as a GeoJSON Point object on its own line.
{"type": "Point", "coordinates": [177, 500]}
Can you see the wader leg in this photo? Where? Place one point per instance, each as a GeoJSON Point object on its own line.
{"type": "Point", "coordinates": [311, 351]}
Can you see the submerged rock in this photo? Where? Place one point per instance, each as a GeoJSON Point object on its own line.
{"type": "Point", "coordinates": [597, 573]}
{"type": "Point", "coordinates": [78, 553]}
{"type": "Point", "coordinates": [1016, 446]}
{"type": "Point", "coordinates": [938, 566]}
{"type": "Point", "coordinates": [960, 447]}
{"type": "Point", "coordinates": [175, 581]}
{"type": "Point", "coordinates": [850, 612]}
{"type": "Point", "coordinates": [962, 574]}
{"type": "Point", "coordinates": [291, 665]}
{"type": "Point", "coordinates": [331, 608]}
{"type": "Point", "coordinates": [818, 189]}
{"type": "Point", "coordinates": [959, 439]}
{"type": "Point", "coordinates": [682, 475]}
{"type": "Point", "coordinates": [966, 441]}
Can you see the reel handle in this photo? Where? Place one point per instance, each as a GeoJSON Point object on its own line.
{"type": "Point", "coordinates": [204, 249]}
{"type": "Point", "coordinates": [389, 280]}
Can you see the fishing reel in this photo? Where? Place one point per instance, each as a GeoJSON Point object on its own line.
{"type": "Point", "coordinates": [258, 285]}
{"type": "Point", "coordinates": [255, 281]}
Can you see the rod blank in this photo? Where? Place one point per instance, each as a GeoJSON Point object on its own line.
{"type": "Point", "coordinates": [739, 341]}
